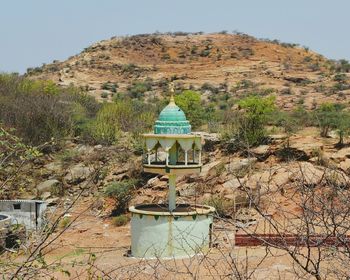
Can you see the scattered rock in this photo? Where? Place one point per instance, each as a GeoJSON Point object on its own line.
{"type": "Point", "coordinates": [159, 185]}
{"type": "Point", "coordinates": [290, 153]}
{"type": "Point", "coordinates": [288, 105]}
{"type": "Point", "coordinates": [164, 178]}
{"type": "Point", "coordinates": [296, 79]}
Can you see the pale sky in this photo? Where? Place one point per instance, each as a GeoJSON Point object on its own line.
{"type": "Point", "coordinates": [33, 32]}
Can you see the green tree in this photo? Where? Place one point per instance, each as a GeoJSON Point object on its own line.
{"type": "Point", "coordinates": [190, 102]}
{"type": "Point", "coordinates": [327, 115]}
{"type": "Point", "coordinates": [333, 116]}
{"type": "Point", "coordinates": [256, 111]}
{"type": "Point", "coordinates": [343, 126]}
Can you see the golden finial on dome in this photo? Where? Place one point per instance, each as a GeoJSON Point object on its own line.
{"type": "Point", "coordinates": [172, 90]}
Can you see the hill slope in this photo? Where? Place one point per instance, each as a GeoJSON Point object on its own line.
{"type": "Point", "coordinates": [214, 63]}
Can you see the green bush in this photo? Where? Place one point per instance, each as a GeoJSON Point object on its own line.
{"type": "Point", "coordinates": [120, 220]}
{"type": "Point", "coordinates": [122, 192]}
{"type": "Point", "coordinates": [110, 86]}
{"type": "Point", "coordinates": [104, 94]}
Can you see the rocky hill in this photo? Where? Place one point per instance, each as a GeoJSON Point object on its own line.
{"type": "Point", "coordinates": [213, 63]}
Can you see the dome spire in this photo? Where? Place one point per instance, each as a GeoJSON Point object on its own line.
{"type": "Point", "coordinates": [172, 90]}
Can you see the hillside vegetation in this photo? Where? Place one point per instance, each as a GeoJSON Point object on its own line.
{"type": "Point", "coordinates": [223, 67]}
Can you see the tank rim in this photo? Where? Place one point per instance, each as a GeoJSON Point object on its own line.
{"type": "Point", "coordinates": [198, 210]}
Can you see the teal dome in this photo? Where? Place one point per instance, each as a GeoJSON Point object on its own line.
{"type": "Point", "coordinates": [172, 120]}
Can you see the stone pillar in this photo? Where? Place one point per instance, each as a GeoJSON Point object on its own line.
{"type": "Point", "coordinates": [172, 192]}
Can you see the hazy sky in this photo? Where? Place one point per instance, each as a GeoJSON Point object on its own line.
{"type": "Point", "coordinates": [33, 32]}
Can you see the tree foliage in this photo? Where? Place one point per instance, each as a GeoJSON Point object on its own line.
{"type": "Point", "coordinates": [333, 116]}
{"type": "Point", "coordinates": [255, 115]}
{"type": "Point", "coordinates": [190, 102]}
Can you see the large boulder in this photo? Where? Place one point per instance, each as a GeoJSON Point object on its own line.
{"type": "Point", "coordinates": [238, 165]}
{"type": "Point", "coordinates": [345, 165]}
{"type": "Point", "coordinates": [341, 155]}
{"type": "Point", "coordinates": [267, 181]}
{"type": "Point", "coordinates": [78, 173]}
{"type": "Point", "coordinates": [48, 186]}
{"type": "Point", "coordinates": [307, 174]}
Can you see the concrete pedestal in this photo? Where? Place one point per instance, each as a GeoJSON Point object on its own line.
{"type": "Point", "coordinates": [158, 233]}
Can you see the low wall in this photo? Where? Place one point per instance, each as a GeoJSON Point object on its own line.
{"type": "Point", "coordinates": [291, 240]}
